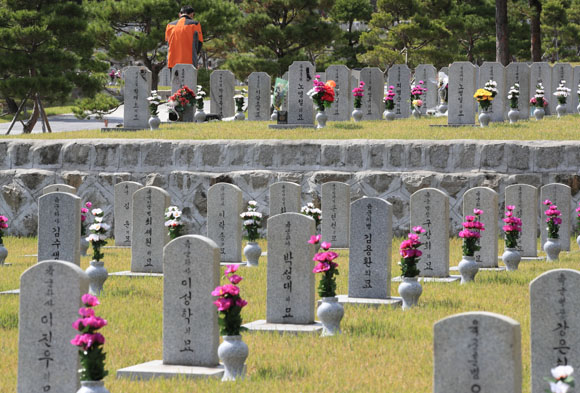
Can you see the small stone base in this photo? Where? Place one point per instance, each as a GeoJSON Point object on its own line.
{"type": "Point", "coordinates": [240, 264]}
{"type": "Point", "coordinates": [156, 369]}
{"type": "Point", "coordinates": [431, 279]}
{"type": "Point", "coordinates": [526, 259]}
{"type": "Point", "coordinates": [482, 269]}
{"type": "Point", "coordinates": [123, 129]}
{"type": "Point", "coordinates": [11, 292]}
{"type": "Point", "coordinates": [288, 328]}
{"type": "Point", "coordinates": [290, 126]}
{"type": "Point", "coordinates": [393, 302]}
{"type": "Point", "coordinates": [135, 274]}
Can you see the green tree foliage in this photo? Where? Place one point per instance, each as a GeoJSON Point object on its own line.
{"type": "Point", "coordinates": [45, 52]}
{"type": "Point", "coordinates": [555, 31]}
{"type": "Point", "coordinates": [347, 47]}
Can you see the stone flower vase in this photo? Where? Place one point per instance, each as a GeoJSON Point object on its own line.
{"type": "Point", "coordinates": [539, 113]}
{"type": "Point", "coordinates": [199, 116]}
{"type": "Point", "coordinates": [154, 122]}
{"type": "Point", "coordinates": [233, 353]}
{"type": "Point", "coordinates": [513, 115]}
{"type": "Point", "coordinates": [321, 119]}
{"type": "Point", "coordinates": [93, 387]}
{"type": "Point", "coordinates": [578, 240]}
{"type": "Point", "coordinates": [484, 119]}
{"type": "Point", "coordinates": [416, 113]}
{"type": "Point", "coordinates": [561, 110]}
{"type": "Point", "coordinates": [240, 115]}
{"type": "Point", "coordinates": [578, 108]}
{"type": "Point", "coordinates": [357, 114]}
{"type": "Point", "coordinates": [442, 108]}
{"type": "Point", "coordinates": [97, 277]}
{"type": "Point", "coordinates": [410, 290]}
{"type": "Point", "coordinates": [330, 313]}
{"type": "Point", "coordinates": [468, 269]}
{"type": "Point", "coordinates": [84, 246]}
{"type": "Point", "coordinates": [3, 254]}
{"type": "Point", "coordinates": [389, 115]}
{"type": "Point", "coordinates": [552, 248]}
{"type": "Point", "coordinates": [511, 258]}
{"type": "Point", "coordinates": [274, 116]}
{"type": "Point", "coordinates": [252, 251]}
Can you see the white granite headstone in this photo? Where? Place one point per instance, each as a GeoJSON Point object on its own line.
{"type": "Point", "coordinates": [340, 109]}
{"type": "Point", "coordinates": [496, 72]}
{"type": "Point", "coordinates": [519, 73]}
{"type": "Point", "coordinates": [59, 188]}
{"type": "Point", "coordinates": [525, 198]}
{"type": "Point", "coordinates": [224, 225]}
{"type": "Point", "coordinates": [462, 87]}
{"type": "Point", "coordinates": [428, 74]}
{"type": "Point", "coordinates": [335, 213]}
{"type": "Point", "coordinates": [284, 198]}
{"type": "Point", "coordinates": [561, 196]}
{"type": "Point", "coordinates": [184, 75]}
{"type": "Point", "coordinates": [124, 211]}
{"type": "Point", "coordinates": [575, 87]}
{"type": "Point", "coordinates": [372, 102]}
{"type": "Point", "coordinates": [485, 199]}
{"type": "Point", "coordinates": [300, 108]}
{"type": "Point", "coordinates": [222, 84]}
{"type": "Point", "coordinates": [399, 76]}
{"type": "Point", "coordinates": [563, 71]}
{"type": "Point", "coordinates": [259, 86]}
{"type": "Point", "coordinates": [542, 72]}
{"type": "Point", "coordinates": [137, 89]}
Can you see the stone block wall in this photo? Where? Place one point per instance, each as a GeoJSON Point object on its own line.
{"type": "Point", "coordinates": [390, 169]}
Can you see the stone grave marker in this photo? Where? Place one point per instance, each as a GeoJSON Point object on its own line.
{"type": "Point", "coordinates": [59, 188]}
{"type": "Point", "coordinates": [191, 271]}
{"type": "Point", "coordinates": [430, 210]}
{"type": "Point", "coordinates": [525, 198]}
{"type": "Point", "coordinates": [300, 81]}
{"type": "Point", "coordinates": [519, 73]}
{"type": "Point", "coordinates": [445, 70]}
{"type": "Point", "coordinates": [137, 89]}
{"type": "Point", "coordinates": [554, 323]}
{"type": "Point", "coordinates": [496, 72]}
{"type": "Point", "coordinates": [335, 213]}
{"type": "Point", "coordinates": [428, 74]}
{"type": "Point", "coordinates": [165, 77]}
{"type": "Point", "coordinates": [372, 102]}
{"type": "Point", "coordinates": [290, 289]}
{"type": "Point", "coordinates": [575, 87]}
{"type": "Point", "coordinates": [485, 199]}
{"type": "Point", "coordinates": [477, 352]}
{"type": "Point", "coordinates": [371, 235]}
{"type": "Point", "coordinates": [462, 86]}
{"type": "Point", "coordinates": [340, 110]}
{"type": "Point", "coordinates": [563, 71]}
{"type": "Point", "coordinates": [123, 215]}
{"type": "Point", "coordinates": [222, 84]}
{"type": "Point", "coordinates": [224, 225]}
{"type": "Point", "coordinates": [542, 72]}
{"type": "Point", "coordinates": [50, 298]}
{"type": "Point", "coordinates": [184, 75]}
{"type": "Point", "coordinates": [561, 196]}
{"type": "Point", "coordinates": [399, 76]}
{"type": "Point", "coordinates": [149, 234]}
{"type": "Point", "coordinates": [259, 86]}
{"type": "Point", "coordinates": [59, 227]}
{"type": "Point", "coordinates": [284, 198]}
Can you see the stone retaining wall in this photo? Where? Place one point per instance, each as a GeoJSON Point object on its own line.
{"type": "Point", "coordinates": [391, 169]}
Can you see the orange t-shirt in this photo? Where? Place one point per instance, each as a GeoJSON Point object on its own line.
{"type": "Point", "coordinates": [179, 34]}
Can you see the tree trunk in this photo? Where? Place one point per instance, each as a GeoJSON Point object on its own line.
{"type": "Point", "coordinates": [28, 126]}
{"type": "Point", "coordinates": [536, 30]}
{"type": "Point", "coordinates": [502, 50]}
{"type": "Point", "coordinates": [12, 105]}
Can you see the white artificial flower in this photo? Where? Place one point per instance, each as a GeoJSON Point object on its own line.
{"type": "Point", "coordinates": [106, 227]}
{"type": "Point", "coordinates": [317, 211]}
{"type": "Point", "coordinates": [257, 214]}
{"type": "Point", "coordinates": [96, 212]}
{"type": "Point", "coordinates": [93, 237]}
{"type": "Point", "coordinates": [237, 96]}
{"type": "Point", "coordinates": [310, 205]}
{"type": "Point", "coordinates": [253, 203]}
{"type": "Point", "coordinates": [168, 214]}
{"type": "Point", "coordinates": [99, 219]}
{"type": "Point", "coordinates": [172, 208]}
{"type": "Point", "coordinates": [169, 223]}
{"type": "Point", "coordinates": [305, 210]}
{"type": "Point", "coordinates": [176, 214]}
{"type": "Point", "coordinates": [561, 372]}
{"type": "Point", "coordinates": [559, 387]}
{"type": "Point", "coordinates": [248, 222]}
{"type": "Point", "coordinates": [95, 227]}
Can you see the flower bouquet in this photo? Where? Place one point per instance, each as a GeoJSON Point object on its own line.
{"type": "Point", "coordinates": [84, 242]}
{"type": "Point", "coordinates": [410, 289]}
{"type": "Point", "coordinates": [552, 246]}
{"type": "Point", "coordinates": [3, 250]}
{"type": "Point", "coordinates": [233, 351]}
{"type": "Point", "coordinates": [358, 93]}
{"type": "Point", "coordinates": [239, 99]}
{"type": "Point", "coordinates": [539, 102]}
{"type": "Point", "coordinates": [313, 212]}
{"type": "Point", "coordinates": [443, 88]}
{"type": "Point", "coordinates": [562, 93]}
{"type": "Point", "coordinates": [322, 94]}
{"type": "Point", "coordinates": [183, 99]}
{"type": "Point", "coordinates": [472, 227]}
{"type": "Point", "coordinates": [561, 380]}
{"type": "Point", "coordinates": [173, 222]}
{"type": "Point", "coordinates": [513, 97]}
{"type": "Point", "coordinates": [280, 93]}
{"type": "Point", "coordinates": [154, 101]}
{"type": "Point", "coordinates": [512, 228]}
{"type": "Point", "coordinates": [90, 342]}
{"type": "Point", "coordinates": [252, 223]}
{"type": "Point", "coordinates": [330, 312]}
{"type": "Point", "coordinates": [416, 102]}
{"type": "Point", "coordinates": [96, 271]}
{"type": "Point", "coordinates": [199, 96]}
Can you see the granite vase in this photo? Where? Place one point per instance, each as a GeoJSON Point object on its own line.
{"type": "Point", "coordinates": [578, 240]}
{"type": "Point", "coordinates": [233, 353]}
{"type": "Point", "coordinates": [539, 113]}
{"type": "Point", "coordinates": [484, 119]}
{"type": "Point", "coordinates": [199, 116]}
{"type": "Point", "coordinates": [154, 122]}
{"type": "Point", "coordinates": [578, 108]}
{"type": "Point", "coordinates": [389, 115]}
{"type": "Point", "coordinates": [93, 387]}
{"type": "Point", "coordinates": [84, 246]}
{"type": "Point", "coordinates": [552, 248]}
{"type": "Point", "coordinates": [3, 254]}
{"type": "Point", "coordinates": [240, 116]}
{"type": "Point", "coordinates": [442, 108]}
{"type": "Point", "coordinates": [513, 116]}
{"type": "Point", "coordinates": [274, 116]}
{"type": "Point", "coordinates": [416, 112]}
{"type": "Point", "coordinates": [330, 313]}
{"type": "Point", "coordinates": [252, 251]}
{"type": "Point", "coordinates": [98, 274]}
{"type": "Point", "coordinates": [561, 110]}
{"type": "Point", "coordinates": [468, 268]}
{"type": "Point", "coordinates": [321, 119]}
{"type": "Point", "coordinates": [511, 258]}
{"type": "Point", "coordinates": [357, 115]}
{"type": "Point", "coordinates": [410, 290]}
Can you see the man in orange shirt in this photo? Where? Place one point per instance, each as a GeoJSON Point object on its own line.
{"type": "Point", "coordinates": [185, 39]}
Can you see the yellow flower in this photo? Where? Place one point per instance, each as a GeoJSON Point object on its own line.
{"type": "Point", "coordinates": [483, 95]}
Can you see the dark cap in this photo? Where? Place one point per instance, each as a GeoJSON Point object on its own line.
{"type": "Point", "coordinates": [186, 10]}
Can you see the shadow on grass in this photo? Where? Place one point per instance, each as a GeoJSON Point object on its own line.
{"type": "Point", "coordinates": [373, 328]}
{"type": "Point", "coordinates": [9, 321]}
{"type": "Point", "coordinates": [504, 278]}
{"type": "Point", "coordinates": [347, 126]}
{"type": "Point", "coordinates": [282, 371]}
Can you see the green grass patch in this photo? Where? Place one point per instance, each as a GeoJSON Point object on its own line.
{"type": "Point", "coordinates": [50, 111]}
{"type": "Point", "coordinates": [381, 349]}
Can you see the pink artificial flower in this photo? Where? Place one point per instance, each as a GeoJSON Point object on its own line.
{"type": "Point", "coordinates": [83, 218]}
{"type": "Point", "coordinates": [241, 303]}
{"type": "Point", "coordinates": [235, 279]}
{"type": "Point", "coordinates": [411, 253]}
{"type": "Point", "coordinates": [3, 225]}
{"type": "Point", "coordinates": [331, 255]}
{"type": "Point", "coordinates": [3, 219]}
{"type": "Point", "coordinates": [84, 210]}
{"type": "Point", "coordinates": [89, 205]}
{"type": "Point", "coordinates": [406, 244]}
{"type": "Point", "coordinates": [361, 83]}
{"type": "Point", "coordinates": [509, 213]}
{"type": "Point", "coordinates": [578, 209]}
{"type": "Point", "coordinates": [391, 87]}
{"type": "Point", "coordinates": [413, 237]}
{"type": "Point", "coordinates": [231, 269]}
{"type": "Point", "coordinates": [315, 239]}
{"type": "Point", "coordinates": [510, 207]}
{"type": "Point", "coordinates": [223, 304]}
{"type": "Point", "coordinates": [557, 220]}
{"type": "Point", "coordinates": [218, 291]}
{"type": "Point", "coordinates": [321, 267]}
{"type": "Point", "coordinates": [418, 229]}
{"type": "Point", "coordinates": [231, 289]}
{"type": "Point", "coordinates": [325, 245]}
{"type": "Point", "coordinates": [477, 212]}
{"type": "Point", "coordinates": [90, 300]}
{"type": "Point", "coordinates": [86, 312]}
{"type": "Point", "coordinates": [87, 340]}
{"type": "Point", "coordinates": [469, 218]}
{"type": "Point", "coordinates": [547, 202]}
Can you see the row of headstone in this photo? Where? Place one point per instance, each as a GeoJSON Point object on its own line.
{"type": "Point", "coordinates": [481, 351]}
